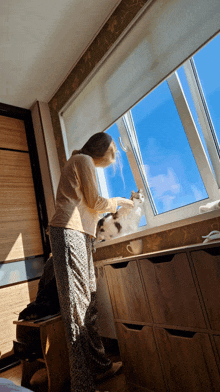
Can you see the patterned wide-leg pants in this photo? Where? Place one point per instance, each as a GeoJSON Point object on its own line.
{"type": "Point", "coordinates": [76, 285]}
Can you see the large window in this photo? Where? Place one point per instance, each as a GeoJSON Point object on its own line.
{"type": "Point", "coordinates": [168, 143]}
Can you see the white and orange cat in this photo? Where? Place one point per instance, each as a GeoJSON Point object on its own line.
{"type": "Point", "coordinates": [119, 223]}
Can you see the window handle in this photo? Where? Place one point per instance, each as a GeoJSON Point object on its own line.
{"type": "Point", "coordinates": [126, 149]}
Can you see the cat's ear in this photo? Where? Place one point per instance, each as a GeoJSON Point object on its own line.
{"type": "Point", "coordinates": [141, 191]}
{"type": "Point", "coordinates": [132, 194]}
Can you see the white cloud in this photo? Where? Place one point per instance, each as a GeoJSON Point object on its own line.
{"type": "Point", "coordinates": [167, 201]}
{"type": "Point", "coordinates": [165, 186]}
{"type": "Point", "coordinates": [197, 193]}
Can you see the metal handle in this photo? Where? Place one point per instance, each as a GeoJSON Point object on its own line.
{"type": "Point", "coordinates": [126, 149]}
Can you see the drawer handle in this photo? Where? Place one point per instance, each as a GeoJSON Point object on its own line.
{"type": "Point", "coordinates": [180, 333]}
{"type": "Point", "coordinates": [120, 265]}
{"type": "Point", "coordinates": [137, 327]}
{"type": "Point", "coordinates": [213, 251]}
{"type": "Point", "coordinates": [161, 259]}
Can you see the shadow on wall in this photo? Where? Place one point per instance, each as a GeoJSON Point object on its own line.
{"type": "Point", "coordinates": [18, 260]}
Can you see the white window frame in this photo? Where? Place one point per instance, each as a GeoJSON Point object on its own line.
{"type": "Point", "coordinates": [103, 189]}
{"type": "Point", "coordinates": [129, 143]}
{"type": "Point", "coordinates": [204, 116]}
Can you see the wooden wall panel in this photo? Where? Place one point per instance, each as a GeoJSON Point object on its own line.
{"type": "Point", "coordinates": [13, 299]}
{"type": "Point", "coordinates": [20, 234]}
{"type": "Point", "coordinates": [12, 134]}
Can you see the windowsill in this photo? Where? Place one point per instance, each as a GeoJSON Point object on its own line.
{"type": "Point", "coordinates": [143, 232]}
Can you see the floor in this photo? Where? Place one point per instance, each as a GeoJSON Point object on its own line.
{"type": "Point", "coordinates": [115, 384]}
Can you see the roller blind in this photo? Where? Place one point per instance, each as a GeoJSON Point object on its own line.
{"type": "Point", "coordinates": [167, 33]}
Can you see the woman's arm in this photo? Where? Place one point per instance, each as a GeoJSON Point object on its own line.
{"type": "Point", "coordinates": [85, 169]}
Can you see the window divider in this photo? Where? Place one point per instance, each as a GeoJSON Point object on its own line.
{"type": "Point", "coordinates": [204, 116]}
{"type": "Point", "coordinates": [136, 171]}
{"type": "Point", "coordinates": [193, 137]}
{"type": "Point", "coordinates": [102, 182]}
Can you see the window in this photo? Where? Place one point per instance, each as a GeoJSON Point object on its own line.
{"type": "Point", "coordinates": [169, 143]}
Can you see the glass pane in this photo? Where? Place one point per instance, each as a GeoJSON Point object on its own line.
{"type": "Point", "coordinates": [170, 167]}
{"type": "Point", "coordinates": [207, 62]}
{"type": "Point", "coordinates": [119, 178]}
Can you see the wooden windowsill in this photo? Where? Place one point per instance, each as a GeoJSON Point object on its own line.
{"type": "Point", "coordinates": [143, 232]}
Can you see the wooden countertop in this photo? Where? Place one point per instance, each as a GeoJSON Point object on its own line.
{"type": "Point", "coordinates": [189, 248]}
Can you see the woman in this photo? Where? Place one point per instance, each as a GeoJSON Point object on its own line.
{"type": "Point", "coordinates": [72, 229]}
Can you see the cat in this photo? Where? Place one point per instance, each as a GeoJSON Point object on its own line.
{"type": "Point", "coordinates": [117, 224]}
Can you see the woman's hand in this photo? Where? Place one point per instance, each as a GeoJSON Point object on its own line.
{"type": "Point", "coordinates": [125, 203]}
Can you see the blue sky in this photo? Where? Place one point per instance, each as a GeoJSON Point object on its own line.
{"type": "Point", "coordinates": [171, 169]}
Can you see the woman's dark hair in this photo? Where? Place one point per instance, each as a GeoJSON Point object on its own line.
{"type": "Point", "coordinates": [96, 146]}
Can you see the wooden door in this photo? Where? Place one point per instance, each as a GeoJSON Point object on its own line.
{"type": "Point", "coordinates": [21, 247]}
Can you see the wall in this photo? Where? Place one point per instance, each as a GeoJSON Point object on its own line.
{"type": "Point", "coordinates": [111, 31]}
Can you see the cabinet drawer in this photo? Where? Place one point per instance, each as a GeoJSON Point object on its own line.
{"type": "Point", "coordinates": [171, 291]}
{"type": "Point", "coordinates": [126, 292]}
{"type": "Point", "coordinates": [207, 266]}
{"type": "Point", "coordinates": [105, 315]}
{"type": "Point", "coordinates": [188, 360]}
{"type": "Point", "coordinates": [217, 344]}
{"type": "Point", "coordinates": [140, 356]}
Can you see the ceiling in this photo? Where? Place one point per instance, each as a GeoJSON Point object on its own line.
{"type": "Point", "coordinates": [40, 41]}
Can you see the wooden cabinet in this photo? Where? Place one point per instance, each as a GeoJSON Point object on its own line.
{"type": "Point", "coordinates": [127, 293]}
{"type": "Point", "coordinates": [54, 355]}
{"type": "Point", "coordinates": [188, 360]}
{"type": "Point", "coordinates": [207, 266]}
{"type": "Point", "coordinates": [217, 345]}
{"type": "Point", "coordinates": [166, 308]}
{"type": "Point", "coordinates": [105, 316]}
{"type": "Point", "coordinates": [140, 356]}
{"type": "Point", "coordinates": [171, 290]}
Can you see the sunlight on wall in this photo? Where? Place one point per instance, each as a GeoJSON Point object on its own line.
{"type": "Point", "coordinates": [17, 249]}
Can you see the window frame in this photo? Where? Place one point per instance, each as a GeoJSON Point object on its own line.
{"type": "Point", "coordinates": [211, 181]}
{"type": "Point", "coordinates": [203, 114]}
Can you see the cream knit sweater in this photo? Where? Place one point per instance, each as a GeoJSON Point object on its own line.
{"type": "Point", "coordinates": [78, 203]}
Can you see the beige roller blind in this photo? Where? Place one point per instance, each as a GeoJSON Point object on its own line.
{"type": "Point", "coordinates": [165, 36]}
{"type": "Point", "coordinates": [19, 225]}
